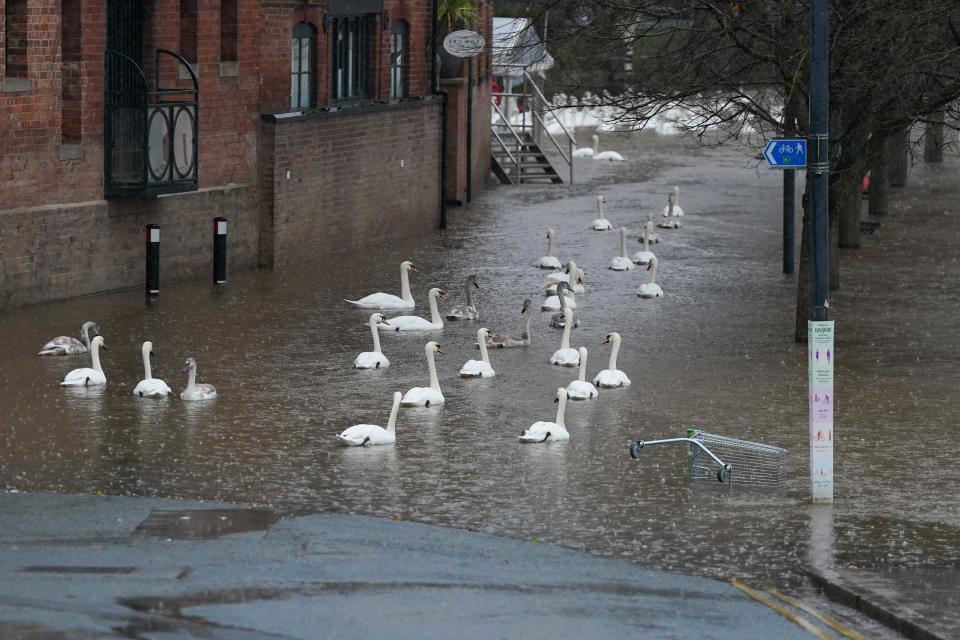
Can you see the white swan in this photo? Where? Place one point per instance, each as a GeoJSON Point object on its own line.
{"type": "Point", "coordinates": [88, 377]}
{"type": "Point", "coordinates": [558, 320]}
{"type": "Point", "coordinates": [611, 377]}
{"type": "Point", "coordinates": [671, 212]}
{"type": "Point", "coordinates": [622, 262]}
{"type": "Point", "coordinates": [364, 435]}
{"type": "Point", "coordinates": [652, 237]}
{"type": "Point", "coordinates": [67, 346]}
{"type": "Point", "coordinates": [587, 152]}
{"type": "Point", "coordinates": [196, 391]}
{"type": "Point", "coordinates": [545, 431]}
{"type": "Point", "coordinates": [606, 155]}
{"type": "Point", "coordinates": [565, 276]}
{"type": "Point", "coordinates": [479, 368]}
{"type": "Point", "coordinates": [466, 311]}
{"type": "Point", "coordinates": [643, 256]}
{"type": "Point", "coordinates": [549, 261]}
{"type": "Point", "coordinates": [426, 396]}
{"type": "Point", "coordinates": [565, 356]}
{"type": "Point", "coordinates": [388, 300]}
{"type": "Point", "coordinates": [416, 323]}
{"type": "Point", "coordinates": [150, 387]}
{"type": "Point", "coordinates": [651, 289]}
{"type": "Point", "coordinates": [552, 303]}
{"type": "Point", "coordinates": [600, 223]}
{"type": "Point", "coordinates": [506, 340]}
{"type": "Point", "coordinates": [580, 389]}
{"type": "Point", "coordinates": [373, 359]}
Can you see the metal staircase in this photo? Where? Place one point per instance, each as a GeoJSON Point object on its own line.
{"type": "Point", "coordinates": [517, 147]}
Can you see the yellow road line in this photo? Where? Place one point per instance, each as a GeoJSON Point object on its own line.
{"type": "Point", "coordinates": [790, 615]}
{"type": "Point", "coordinates": [831, 622]}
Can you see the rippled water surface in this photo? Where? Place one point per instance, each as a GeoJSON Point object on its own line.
{"type": "Point", "coordinates": [715, 353]}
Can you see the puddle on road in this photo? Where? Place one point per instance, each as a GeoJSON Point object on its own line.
{"type": "Point", "coordinates": [192, 524]}
{"type": "Point", "coordinates": [715, 353]}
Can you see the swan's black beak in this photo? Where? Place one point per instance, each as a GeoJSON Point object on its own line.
{"type": "Point", "coordinates": [103, 346]}
{"type": "Point", "coordinates": [151, 354]}
{"type": "Point", "coordinates": [649, 266]}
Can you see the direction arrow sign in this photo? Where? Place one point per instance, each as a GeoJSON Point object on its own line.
{"type": "Point", "coordinates": [786, 153]}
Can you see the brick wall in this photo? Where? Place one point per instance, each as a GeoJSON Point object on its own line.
{"type": "Point", "coordinates": [346, 186]}
{"type": "Point", "coordinates": [55, 252]}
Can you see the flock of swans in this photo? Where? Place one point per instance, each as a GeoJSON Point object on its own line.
{"type": "Point", "coordinates": [93, 375]}
{"type": "Point", "coordinates": [560, 288]}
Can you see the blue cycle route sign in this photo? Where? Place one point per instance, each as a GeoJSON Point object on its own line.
{"type": "Point", "coordinates": [786, 153]}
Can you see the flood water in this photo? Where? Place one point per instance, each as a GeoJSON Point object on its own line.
{"type": "Point", "coordinates": [715, 353]}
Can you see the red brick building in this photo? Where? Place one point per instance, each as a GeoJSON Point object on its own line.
{"type": "Point", "coordinates": [302, 122]}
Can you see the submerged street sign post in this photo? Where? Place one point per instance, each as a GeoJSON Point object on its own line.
{"type": "Point", "coordinates": [786, 153]}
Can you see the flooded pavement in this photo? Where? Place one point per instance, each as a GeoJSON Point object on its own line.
{"type": "Point", "coordinates": [714, 353]}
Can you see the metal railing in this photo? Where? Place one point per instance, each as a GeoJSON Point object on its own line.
{"type": "Point", "coordinates": [536, 105]}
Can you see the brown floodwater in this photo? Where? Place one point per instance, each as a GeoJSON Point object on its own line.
{"type": "Point", "coordinates": [715, 353]}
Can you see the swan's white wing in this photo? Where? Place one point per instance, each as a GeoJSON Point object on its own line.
{"type": "Point", "coordinates": [369, 434]}
{"type": "Point", "coordinates": [582, 390]}
{"type": "Point", "coordinates": [609, 155]}
{"type": "Point", "coordinates": [642, 257]}
{"type": "Point", "coordinates": [650, 290]}
{"type": "Point", "coordinates": [381, 301]}
{"type": "Point", "coordinates": [477, 369]}
{"type": "Point", "coordinates": [549, 262]}
{"type": "Point", "coordinates": [371, 360]}
{"type": "Point", "coordinates": [537, 432]}
{"type": "Point", "coordinates": [611, 379]}
{"type": "Point", "coordinates": [552, 303]}
{"type": "Point", "coordinates": [420, 396]}
{"type": "Point", "coordinates": [408, 323]}
{"type": "Point", "coordinates": [566, 358]}
{"type": "Point", "coordinates": [621, 264]}
{"type": "Point", "coordinates": [152, 388]}
{"type": "Point", "coordinates": [199, 392]}
{"type": "Point", "coordinates": [62, 346]}
{"type": "Point", "coordinates": [601, 224]}
{"type": "Point", "coordinates": [83, 377]}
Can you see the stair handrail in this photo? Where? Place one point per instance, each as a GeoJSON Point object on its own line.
{"type": "Point", "coordinates": [518, 142]}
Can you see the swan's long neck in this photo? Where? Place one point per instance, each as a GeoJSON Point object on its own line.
{"type": "Point", "coordinates": [599, 208]}
{"type": "Point", "coordinates": [653, 271]}
{"type": "Point", "coordinates": [405, 285]}
{"type": "Point", "coordinates": [482, 341]}
{"type": "Point", "coordinates": [434, 311]}
{"type": "Point", "coordinates": [392, 423]}
{"type": "Point", "coordinates": [550, 246]}
{"type": "Point", "coordinates": [563, 298]}
{"type": "Point", "coordinates": [583, 365]}
{"type": "Point", "coordinates": [670, 204]}
{"type": "Point", "coordinates": [192, 378]}
{"type": "Point", "coordinates": [146, 364]}
{"type": "Point", "coordinates": [85, 334]}
{"type": "Point", "coordinates": [95, 358]}
{"type": "Point", "coordinates": [470, 294]}
{"type": "Point", "coordinates": [613, 354]}
{"type": "Point", "coordinates": [525, 335]}
{"type": "Point", "coordinates": [434, 381]}
{"type": "Point", "coordinates": [623, 242]}
{"type": "Point", "coordinates": [565, 341]}
{"type": "Point", "coordinates": [596, 144]}
{"type": "Point", "coordinates": [561, 409]}
{"type": "Point", "coordinates": [646, 236]}
{"type": "Point", "coordinates": [376, 335]}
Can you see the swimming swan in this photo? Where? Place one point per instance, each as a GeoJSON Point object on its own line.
{"type": "Point", "coordinates": [549, 431]}
{"type": "Point", "coordinates": [150, 387]}
{"type": "Point", "coordinates": [373, 359]}
{"type": "Point", "coordinates": [549, 261]}
{"type": "Point", "coordinates": [88, 377]}
{"type": "Point", "coordinates": [505, 340]}
{"type": "Point", "coordinates": [651, 289]}
{"type": "Point", "coordinates": [587, 152]}
{"type": "Point", "coordinates": [643, 257]}
{"type": "Point", "coordinates": [466, 311]}
{"type": "Point", "coordinates": [611, 377]}
{"type": "Point", "coordinates": [365, 435]}
{"type": "Point", "coordinates": [606, 155]}
{"type": "Point", "coordinates": [196, 391]}
{"type": "Point", "coordinates": [600, 223]}
{"type": "Point", "coordinates": [565, 276]}
{"type": "Point", "coordinates": [565, 356]}
{"type": "Point", "coordinates": [416, 323]}
{"type": "Point", "coordinates": [671, 212]}
{"type": "Point", "coordinates": [622, 262]}
{"type": "Point", "coordinates": [67, 346]}
{"type": "Point", "coordinates": [426, 396]}
{"type": "Point", "coordinates": [580, 389]}
{"type": "Point", "coordinates": [558, 321]}
{"type": "Point", "coordinates": [387, 300]}
{"type": "Point", "coordinates": [479, 368]}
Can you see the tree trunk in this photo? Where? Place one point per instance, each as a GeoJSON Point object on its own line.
{"type": "Point", "coordinates": [933, 138]}
{"type": "Point", "coordinates": [803, 275]}
{"type": "Point", "coordinates": [878, 182]}
{"type": "Point", "coordinates": [898, 158]}
{"type": "Point", "coordinates": [846, 193]}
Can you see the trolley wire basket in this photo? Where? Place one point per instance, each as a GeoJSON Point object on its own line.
{"type": "Point", "coordinates": [711, 457]}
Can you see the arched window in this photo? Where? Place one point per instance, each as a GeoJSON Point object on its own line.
{"type": "Point", "coordinates": [302, 60]}
{"type": "Point", "coordinates": [399, 43]}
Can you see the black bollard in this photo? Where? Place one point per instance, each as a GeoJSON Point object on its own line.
{"type": "Point", "coordinates": [153, 259]}
{"type": "Point", "coordinates": [219, 250]}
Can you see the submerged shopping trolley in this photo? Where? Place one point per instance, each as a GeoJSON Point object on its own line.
{"type": "Point", "coordinates": [711, 457]}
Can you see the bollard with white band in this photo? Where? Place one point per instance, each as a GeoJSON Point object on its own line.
{"type": "Point", "coordinates": [153, 259]}
{"type": "Point", "coordinates": [219, 250]}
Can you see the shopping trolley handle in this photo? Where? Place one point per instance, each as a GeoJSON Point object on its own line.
{"type": "Point", "coordinates": [723, 474]}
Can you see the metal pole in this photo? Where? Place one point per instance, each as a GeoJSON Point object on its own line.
{"type": "Point", "coordinates": [469, 190]}
{"type": "Point", "coordinates": [789, 198]}
{"type": "Point", "coordinates": [219, 250]}
{"type": "Point", "coordinates": [153, 259]}
{"type": "Point", "coordinates": [818, 169]}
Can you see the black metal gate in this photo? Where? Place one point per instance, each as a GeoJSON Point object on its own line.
{"type": "Point", "coordinates": [150, 136]}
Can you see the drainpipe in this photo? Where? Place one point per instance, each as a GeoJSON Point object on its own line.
{"type": "Point", "coordinates": [469, 62]}
{"type": "Point", "coordinates": [435, 90]}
